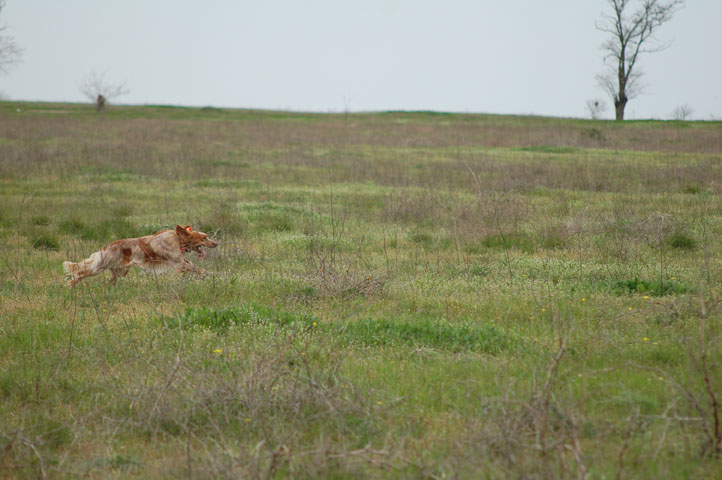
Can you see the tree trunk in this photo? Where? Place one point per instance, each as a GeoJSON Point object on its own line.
{"type": "Point", "coordinates": [619, 109]}
{"type": "Point", "coordinates": [100, 103]}
{"type": "Point", "coordinates": [620, 101]}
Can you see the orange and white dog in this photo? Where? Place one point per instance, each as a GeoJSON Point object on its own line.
{"type": "Point", "coordinates": [161, 251]}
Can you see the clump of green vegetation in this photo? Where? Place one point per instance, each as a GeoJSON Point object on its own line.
{"type": "Point", "coordinates": [228, 183]}
{"type": "Point", "coordinates": [653, 288]}
{"type": "Point", "coordinates": [46, 241]}
{"type": "Point", "coordinates": [421, 237]}
{"type": "Point", "coordinates": [220, 319]}
{"type": "Point", "coordinates": [224, 219]}
{"type": "Point", "coordinates": [512, 240]}
{"type": "Point", "coordinates": [593, 133]}
{"type": "Point", "coordinates": [71, 226]}
{"type": "Point", "coordinates": [120, 462]}
{"type": "Point", "coordinates": [682, 241]}
{"type": "Point", "coordinates": [306, 293]}
{"type": "Point", "coordinates": [426, 332]}
{"type": "Point", "coordinates": [553, 237]}
{"type": "Point", "coordinates": [40, 220]}
{"type": "Point", "coordinates": [691, 189]}
{"type": "Point", "coordinates": [122, 210]}
{"type": "Point", "coordinates": [105, 230]}
{"type": "Point", "coordinates": [270, 217]}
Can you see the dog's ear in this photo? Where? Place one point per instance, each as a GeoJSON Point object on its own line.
{"type": "Point", "coordinates": [182, 232]}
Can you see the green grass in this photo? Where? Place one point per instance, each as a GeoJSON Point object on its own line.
{"type": "Point", "coordinates": [395, 295]}
{"type": "Point", "coordinates": [548, 149]}
{"type": "Point", "coordinates": [417, 333]}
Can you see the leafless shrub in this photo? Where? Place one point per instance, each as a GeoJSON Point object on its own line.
{"type": "Point", "coordinates": [682, 112]}
{"type": "Point", "coordinates": [536, 435]}
{"type": "Point", "coordinates": [242, 415]}
{"type": "Point", "coordinates": [595, 108]}
{"type": "Point", "coordinates": [655, 227]}
{"type": "Point", "coordinates": [424, 206]}
{"type": "Point", "coordinates": [343, 283]}
{"type": "Point", "coordinates": [336, 264]}
{"type": "Point", "coordinates": [336, 274]}
{"type": "Point", "coordinates": [701, 388]}
{"type": "Point", "coordinates": [20, 457]}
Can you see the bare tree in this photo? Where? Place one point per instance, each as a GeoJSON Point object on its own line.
{"type": "Point", "coordinates": [682, 112]}
{"type": "Point", "coordinates": [10, 53]}
{"type": "Point", "coordinates": [596, 107]}
{"type": "Point", "coordinates": [630, 34]}
{"type": "Point", "coordinates": [98, 90]}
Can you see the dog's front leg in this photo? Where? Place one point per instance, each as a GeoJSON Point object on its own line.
{"type": "Point", "coordinates": [116, 274]}
{"type": "Point", "coordinates": [187, 266]}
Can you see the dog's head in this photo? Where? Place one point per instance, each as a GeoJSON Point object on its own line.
{"type": "Point", "coordinates": [192, 240]}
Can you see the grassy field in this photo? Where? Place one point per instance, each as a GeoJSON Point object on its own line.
{"type": "Point", "coordinates": [395, 295]}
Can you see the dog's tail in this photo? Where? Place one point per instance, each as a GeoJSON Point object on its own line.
{"type": "Point", "coordinates": [74, 272]}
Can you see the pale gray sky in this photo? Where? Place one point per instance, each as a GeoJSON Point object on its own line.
{"type": "Point", "coordinates": [514, 56]}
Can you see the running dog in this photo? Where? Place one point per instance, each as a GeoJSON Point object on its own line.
{"type": "Point", "coordinates": [160, 251]}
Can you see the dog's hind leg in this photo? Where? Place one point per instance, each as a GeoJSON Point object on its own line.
{"type": "Point", "coordinates": [92, 265]}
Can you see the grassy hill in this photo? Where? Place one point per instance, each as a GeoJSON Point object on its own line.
{"type": "Point", "coordinates": [396, 294]}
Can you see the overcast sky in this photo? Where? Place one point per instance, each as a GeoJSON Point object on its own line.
{"type": "Point", "coordinates": [514, 56]}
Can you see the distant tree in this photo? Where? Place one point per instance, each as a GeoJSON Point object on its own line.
{"type": "Point", "coordinates": [630, 34]}
{"type": "Point", "coordinates": [100, 91]}
{"type": "Point", "coordinates": [683, 112]}
{"type": "Point", "coordinates": [595, 108]}
{"type": "Point", "coordinates": [10, 53]}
